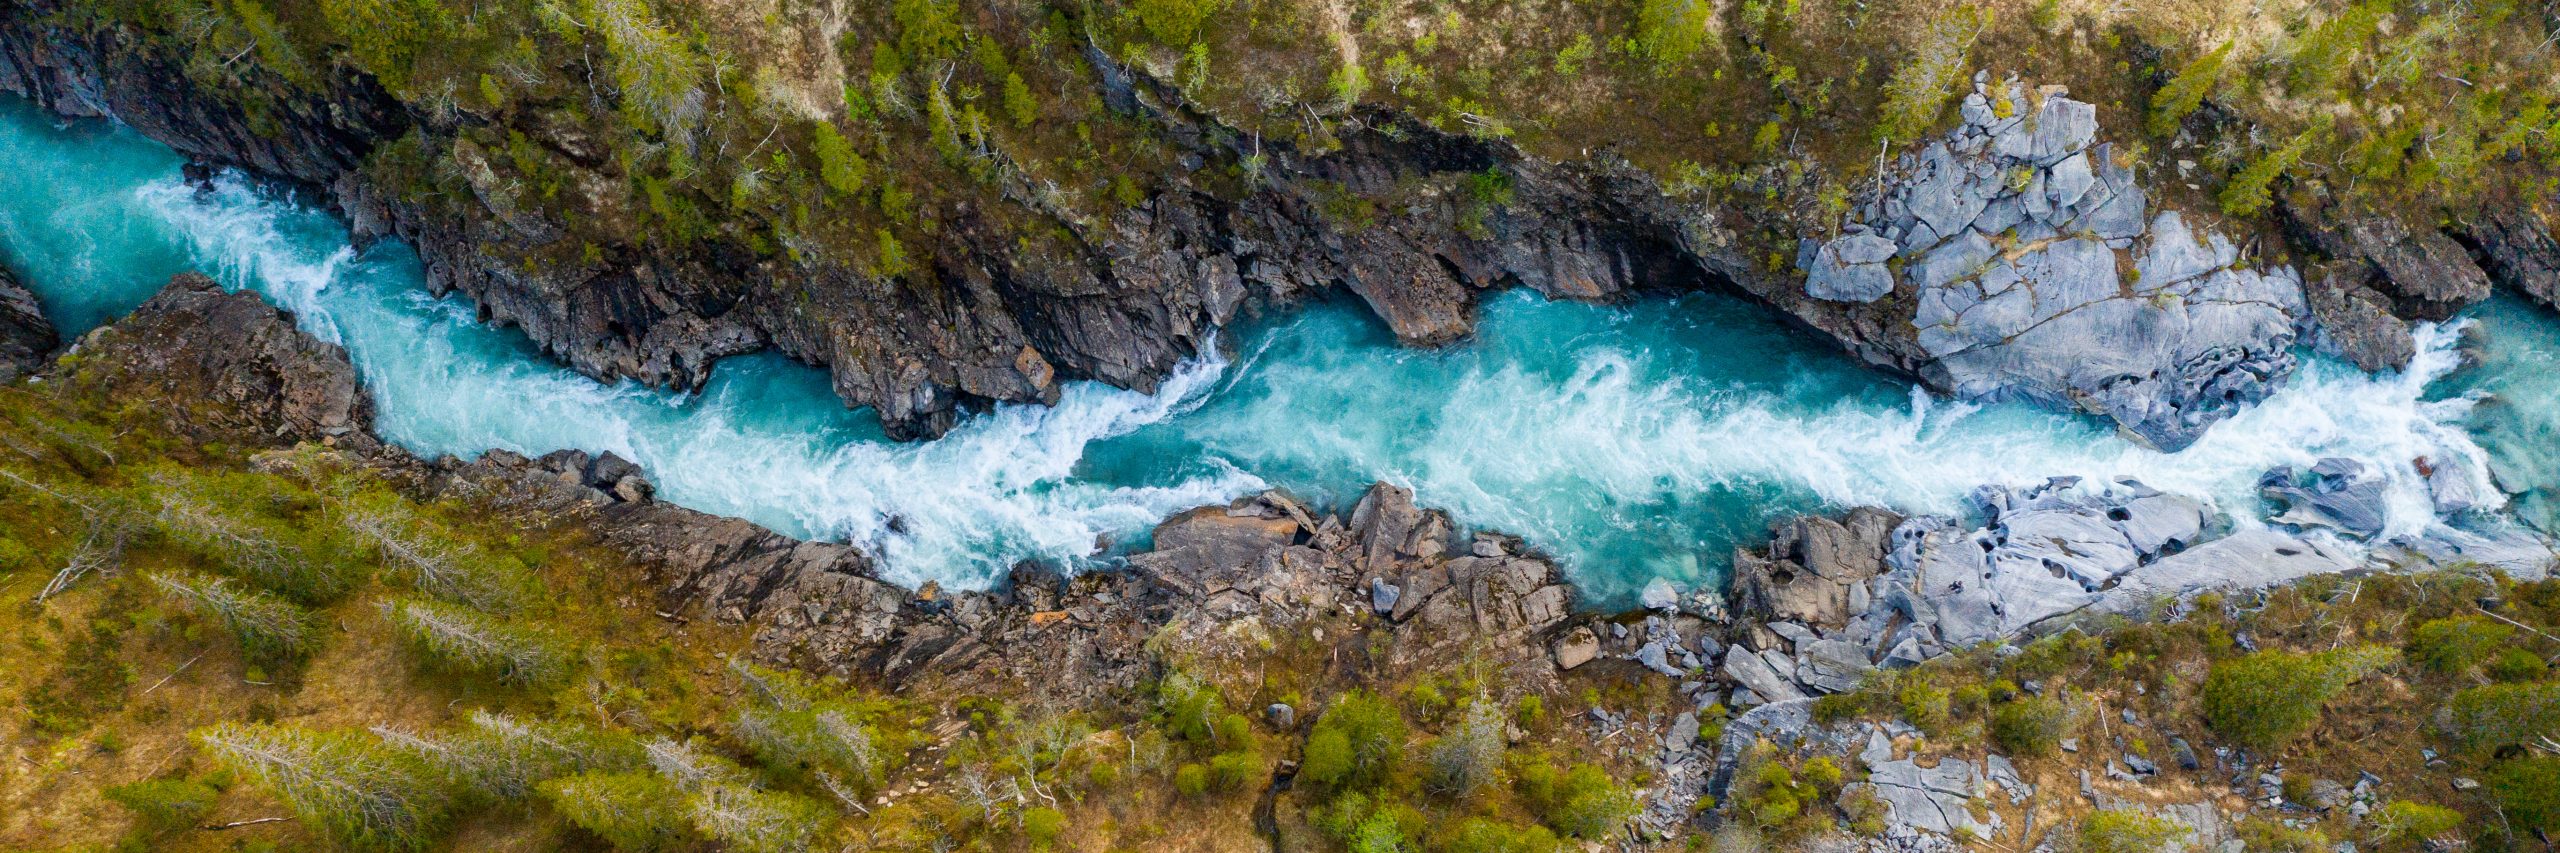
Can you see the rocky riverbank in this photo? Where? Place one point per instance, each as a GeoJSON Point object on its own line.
{"type": "Point", "coordinates": [2008, 234]}
{"type": "Point", "coordinates": [1835, 605]}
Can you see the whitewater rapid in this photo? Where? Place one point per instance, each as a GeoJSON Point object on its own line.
{"type": "Point", "coordinates": [1633, 442]}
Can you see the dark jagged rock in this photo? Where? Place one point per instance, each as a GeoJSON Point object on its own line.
{"type": "Point", "coordinates": [2356, 322]}
{"type": "Point", "coordinates": [2516, 247]}
{"type": "Point", "coordinates": [2426, 274]}
{"type": "Point", "coordinates": [222, 366]}
{"type": "Point", "coordinates": [27, 339]}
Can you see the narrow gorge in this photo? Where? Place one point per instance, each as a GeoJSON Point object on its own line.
{"type": "Point", "coordinates": [1047, 434]}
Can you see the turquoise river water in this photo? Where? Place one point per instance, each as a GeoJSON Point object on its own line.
{"type": "Point", "coordinates": [1633, 442]}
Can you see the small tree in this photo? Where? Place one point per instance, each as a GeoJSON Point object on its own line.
{"type": "Point", "coordinates": [2187, 91]}
{"type": "Point", "coordinates": [746, 819]}
{"type": "Point", "coordinates": [456, 640]}
{"type": "Point", "coordinates": [248, 549]}
{"type": "Point", "coordinates": [269, 629]}
{"type": "Point", "coordinates": [631, 811]}
{"type": "Point", "coordinates": [436, 564]}
{"type": "Point", "coordinates": [1174, 22]}
{"type": "Point", "coordinates": [166, 805]}
{"type": "Point", "coordinates": [345, 786]}
{"type": "Point", "coordinates": [1940, 60]}
{"type": "Point", "coordinates": [2249, 192]}
{"type": "Point", "coordinates": [839, 165]}
{"type": "Point", "coordinates": [502, 758]}
{"type": "Point", "coordinates": [1469, 756]}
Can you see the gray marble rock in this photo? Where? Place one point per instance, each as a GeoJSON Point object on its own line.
{"type": "Point", "coordinates": [2041, 273]}
{"type": "Point", "coordinates": [1754, 673]}
{"type": "Point", "coordinates": [1658, 594]}
{"type": "Point", "coordinates": [1851, 269]}
{"type": "Point", "coordinates": [2338, 493]}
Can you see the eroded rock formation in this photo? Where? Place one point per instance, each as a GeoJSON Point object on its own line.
{"type": "Point", "coordinates": [26, 338]}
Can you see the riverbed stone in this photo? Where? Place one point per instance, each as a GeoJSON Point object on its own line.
{"type": "Point", "coordinates": [2337, 493]}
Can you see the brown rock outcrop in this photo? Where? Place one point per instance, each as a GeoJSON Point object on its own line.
{"type": "Point", "coordinates": [222, 366]}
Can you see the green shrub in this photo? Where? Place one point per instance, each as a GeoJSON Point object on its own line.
{"type": "Point", "coordinates": [1669, 32]}
{"type": "Point", "coordinates": [2128, 831]}
{"type": "Point", "coordinates": [1925, 705]}
{"type": "Point", "coordinates": [2486, 718]}
{"type": "Point", "coordinates": [344, 786]}
{"type": "Point", "coordinates": [1233, 731]}
{"type": "Point", "coordinates": [166, 805]}
{"type": "Point", "coordinates": [631, 811]}
{"type": "Point", "coordinates": [1232, 771]}
{"type": "Point", "coordinates": [1191, 780]}
{"type": "Point", "coordinates": [1041, 826]}
{"type": "Point", "coordinates": [15, 555]}
{"type": "Point", "coordinates": [2528, 792]}
{"type": "Point", "coordinates": [2268, 836]}
{"type": "Point", "coordinates": [2406, 824]}
{"type": "Point", "coordinates": [1357, 743]}
{"type": "Point", "coordinates": [1486, 835]}
{"type": "Point", "coordinates": [1581, 802]}
{"type": "Point", "coordinates": [2031, 726]}
{"type": "Point", "coordinates": [2266, 699]}
{"type": "Point", "coordinates": [2517, 664]}
{"type": "Point", "coordinates": [2453, 646]}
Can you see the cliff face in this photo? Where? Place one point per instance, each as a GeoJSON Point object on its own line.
{"type": "Point", "coordinates": [26, 338]}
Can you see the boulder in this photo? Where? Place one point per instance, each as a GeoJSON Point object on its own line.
{"type": "Point", "coordinates": [1658, 594]}
{"type": "Point", "coordinates": [1814, 568]}
{"type": "Point", "coordinates": [1578, 646]}
{"type": "Point", "coordinates": [2338, 493]}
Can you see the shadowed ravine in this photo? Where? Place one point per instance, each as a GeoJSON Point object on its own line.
{"type": "Point", "coordinates": [1634, 442]}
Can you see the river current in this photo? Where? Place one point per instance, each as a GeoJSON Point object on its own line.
{"type": "Point", "coordinates": [1633, 442]}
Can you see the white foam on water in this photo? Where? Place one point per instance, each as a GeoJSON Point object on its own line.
{"type": "Point", "coordinates": [1617, 440]}
{"type": "Point", "coordinates": [960, 510]}
{"type": "Point", "coordinates": [1627, 445]}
